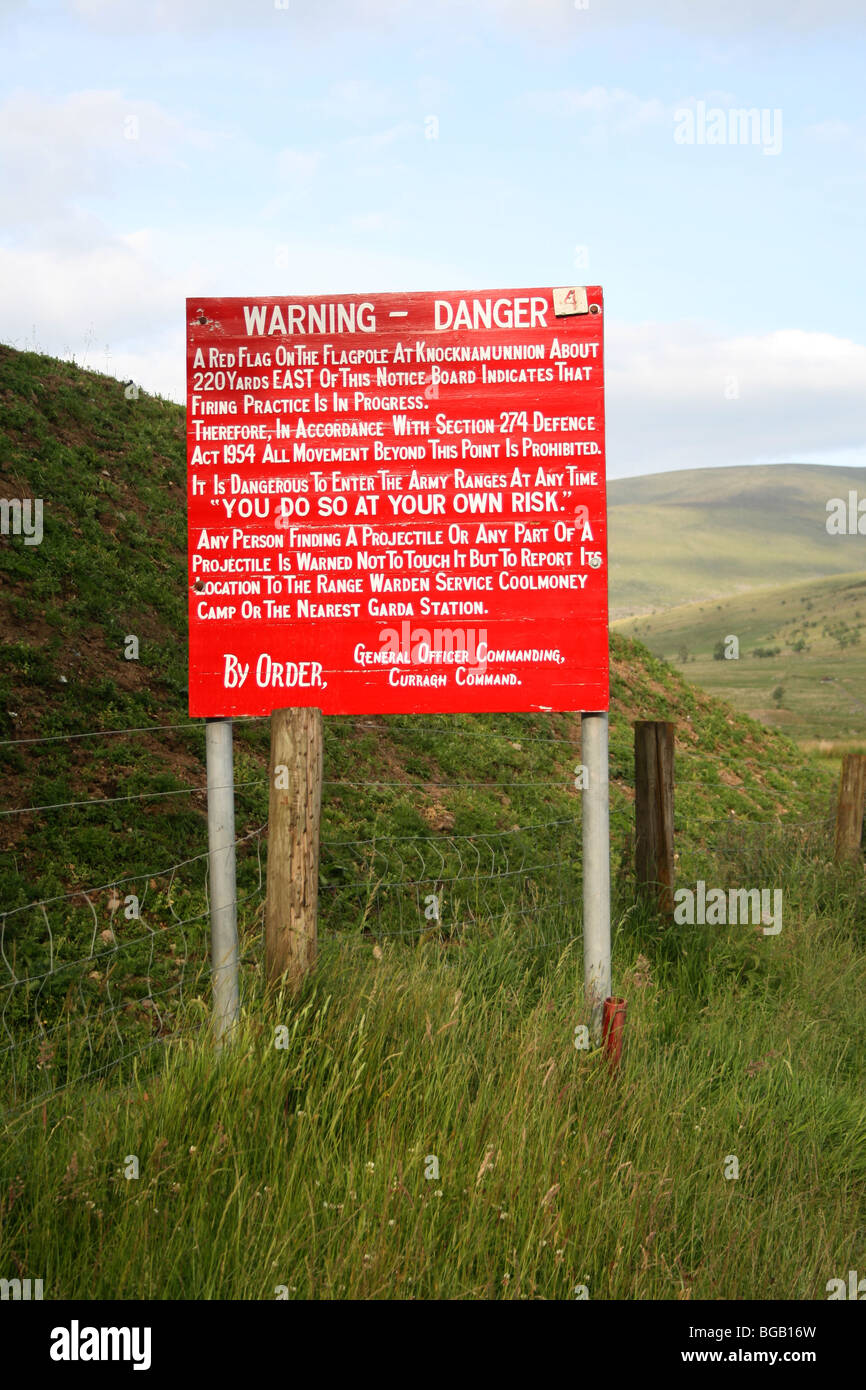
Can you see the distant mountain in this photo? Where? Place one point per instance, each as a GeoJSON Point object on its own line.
{"type": "Point", "coordinates": [710, 532]}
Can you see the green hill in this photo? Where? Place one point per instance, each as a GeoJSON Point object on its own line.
{"type": "Point", "coordinates": [706, 533]}
{"type": "Point", "coordinates": [805, 638]}
{"type": "Point", "coordinates": [447, 1035]}
{"type": "Point", "coordinates": [111, 473]}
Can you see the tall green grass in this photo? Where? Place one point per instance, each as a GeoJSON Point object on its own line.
{"type": "Point", "coordinates": [301, 1168]}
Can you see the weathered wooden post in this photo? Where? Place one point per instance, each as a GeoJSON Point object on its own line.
{"type": "Point", "coordinates": [293, 845]}
{"type": "Point", "coordinates": [654, 811]}
{"type": "Point", "coordinates": [849, 811]}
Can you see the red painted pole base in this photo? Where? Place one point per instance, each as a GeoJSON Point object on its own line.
{"type": "Point", "coordinates": [612, 1025]}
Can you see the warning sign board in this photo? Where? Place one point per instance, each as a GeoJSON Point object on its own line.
{"type": "Point", "coordinates": [397, 502]}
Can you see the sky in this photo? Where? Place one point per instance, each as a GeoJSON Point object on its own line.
{"type": "Point", "coordinates": [152, 150]}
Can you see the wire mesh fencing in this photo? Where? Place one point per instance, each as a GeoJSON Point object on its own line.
{"type": "Point", "coordinates": [100, 977]}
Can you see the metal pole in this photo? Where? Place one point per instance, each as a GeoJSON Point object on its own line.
{"type": "Point", "coordinates": [223, 887]}
{"type": "Point", "coordinates": [596, 869]}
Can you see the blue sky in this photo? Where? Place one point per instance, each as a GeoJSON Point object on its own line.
{"type": "Point", "coordinates": [152, 150]}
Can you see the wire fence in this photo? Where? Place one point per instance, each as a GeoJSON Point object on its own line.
{"type": "Point", "coordinates": [99, 977]}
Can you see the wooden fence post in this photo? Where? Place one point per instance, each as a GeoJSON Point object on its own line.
{"type": "Point", "coordinates": [293, 845]}
{"type": "Point", "coordinates": [849, 811]}
{"type": "Point", "coordinates": [654, 811]}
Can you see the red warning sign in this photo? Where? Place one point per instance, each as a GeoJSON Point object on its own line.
{"type": "Point", "coordinates": [397, 502]}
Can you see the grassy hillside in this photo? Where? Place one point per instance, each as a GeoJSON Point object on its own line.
{"type": "Point", "coordinates": [449, 1036]}
{"type": "Point", "coordinates": [805, 639]}
{"type": "Point", "coordinates": [708, 532]}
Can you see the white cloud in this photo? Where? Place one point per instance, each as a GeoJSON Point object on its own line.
{"type": "Point", "coordinates": [354, 101]}
{"type": "Point", "coordinates": [157, 367]}
{"type": "Point", "coordinates": [369, 221]}
{"type": "Point", "coordinates": [297, 164]}
{"type": "Point", "coordinates": [128, 294]}
{"type": "Point", "coordinates": [830, 131]}
{"type": "Point", "coordinates": [54, 152]}
{"type": "Point", "coordinates": [680, 396]}
{"type": "Point", "coordinates": [552, 17]}
{"type": "Point", "coordinates": [839, 134]}
{"type": "Point", "coordinates": [379, 140]}
{"type": "Point", "coordinates": [612, 107]}
{"type": "Point", "coordinates": [111, 293]}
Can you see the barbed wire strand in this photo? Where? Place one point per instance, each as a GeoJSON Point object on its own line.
{"type": "Point", "coordinates": [135, 796]}
{"type": "Point", "coordinates": [136, 729]}
{"type": "Point", "coordinates": [489, 857]}
{"type": "Point", "coordinates": [129, 878]}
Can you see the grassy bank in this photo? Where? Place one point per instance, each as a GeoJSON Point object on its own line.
{"type": "Point", "coordinates": [446, 1034]}
{"type": "Point", "coordinates": [304, 1166]}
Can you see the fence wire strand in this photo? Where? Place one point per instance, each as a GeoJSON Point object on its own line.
{"type": "Point", "coordinates": [110, 973]}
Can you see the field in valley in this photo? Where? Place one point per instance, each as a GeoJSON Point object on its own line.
{"type": "Point", "coordinates": [803, 639]}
